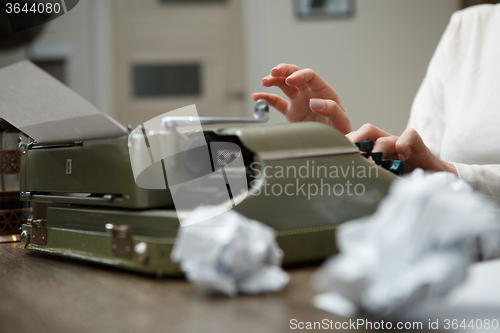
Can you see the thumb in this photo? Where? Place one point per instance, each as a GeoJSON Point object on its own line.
{"type": "Point", "coordinates": [410, 143]}
{"type": "Point", "coordinates": [333, 112]}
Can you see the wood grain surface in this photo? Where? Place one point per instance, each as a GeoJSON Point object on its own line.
{"type": "Point", "coordinates": [44, 293]}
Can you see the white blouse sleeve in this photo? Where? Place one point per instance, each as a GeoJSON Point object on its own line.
{"type": "Point", "coordinates": [483, 178]}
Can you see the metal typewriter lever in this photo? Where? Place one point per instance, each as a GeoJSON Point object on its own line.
{"type": "Point", "coordinates": [260, 114]}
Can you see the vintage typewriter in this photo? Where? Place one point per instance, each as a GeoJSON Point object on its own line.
{"type": "Point", "coordinates": [120, 200]}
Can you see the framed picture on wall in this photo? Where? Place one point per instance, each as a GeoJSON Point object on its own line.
{"type": "Point", "coordinates": [311, 9]}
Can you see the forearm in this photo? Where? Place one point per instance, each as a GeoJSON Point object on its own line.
{"type": "Point", "coordinates": [483, 178]}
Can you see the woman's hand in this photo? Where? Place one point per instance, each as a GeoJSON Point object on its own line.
{"type": "Point", "coordinates": [409, 148]}
{"type": "Point", "coordinates": [311, 98]}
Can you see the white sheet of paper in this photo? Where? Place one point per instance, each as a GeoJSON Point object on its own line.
{"type": "Point", "coordinates": [47, 110]}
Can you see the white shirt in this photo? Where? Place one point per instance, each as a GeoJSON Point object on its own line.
{"type": "Point", "coordinates": [457, 108]}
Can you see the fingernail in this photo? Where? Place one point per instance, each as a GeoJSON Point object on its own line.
{"type": "Point", "coordinates": [401, 157]}
{"type": "Point", "coordinates": [264, 78]}
{"type": "Point", "coordinates": [317, 103]}
{"type": "Point", "coordinates": [291, 77]}
{"type": "Point", "coordinates": [276, 67]}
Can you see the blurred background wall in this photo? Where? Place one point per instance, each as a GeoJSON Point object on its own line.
{"type": "Point", "coordinates": [375, 58]}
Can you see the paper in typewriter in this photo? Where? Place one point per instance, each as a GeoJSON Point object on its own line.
{"type": "Point", "coordinates": [47, 110]}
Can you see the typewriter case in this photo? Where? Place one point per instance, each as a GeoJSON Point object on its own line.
{"type": "Point", "coordinates": [95, 211]}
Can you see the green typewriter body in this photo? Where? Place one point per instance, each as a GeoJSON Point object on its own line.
{"type": "Point", "coordinates": [303, 180]}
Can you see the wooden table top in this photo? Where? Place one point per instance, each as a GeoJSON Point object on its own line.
{"type": "Point", "coordinates": [44, 293]}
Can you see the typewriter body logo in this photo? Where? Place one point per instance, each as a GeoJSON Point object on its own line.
{"type": "Point", "coordinates": [170, 152]}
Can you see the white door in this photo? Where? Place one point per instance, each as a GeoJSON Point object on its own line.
{"type": "Point", "coordinates": [173, 53]}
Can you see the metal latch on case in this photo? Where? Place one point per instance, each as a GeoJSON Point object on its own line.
{"type": "Point", "coordinates": [39, 231]}
{"type": "Point", "coordinates": [121, 241]}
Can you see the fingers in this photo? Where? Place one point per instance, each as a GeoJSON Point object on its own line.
{"type": "Point", "coordinates": [300, 86]}
{"type": "Point", "coordinates": [333, 112]}
{"type": "Point", "coordinates": [367, 132]}
{"type": "Point", "coordinates": [387, 145]}
{"type": "Point", "coordinates": [410, 143]}
{"type": "Point", "coordinates": [412, 149]}
{"type": "Point", "coordinates": [296, 76]}
{"type": "Point", "coordinates": [284, 70]}
{"type": "Point", "coordinates": [309, 78]}
{"type": "Point", "coordinates": [409, 148]}
{"type": "Point", "coordinates": [384, 142]}
{"type": "Point", "coordinates": [279, 82]}
{"type": "Point", "coordinates": [275, 101]}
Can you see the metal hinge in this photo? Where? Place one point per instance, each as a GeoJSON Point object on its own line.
{"type": "Point", "coordinates": [121, 241]}
{"type": "Point", "coordinates": [39, 231]}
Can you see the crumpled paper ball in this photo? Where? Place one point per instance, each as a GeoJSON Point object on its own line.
{"type": "Point", "coordinates": [229, 253]}
{"type": "Point", "coordinates": [414, 249]}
